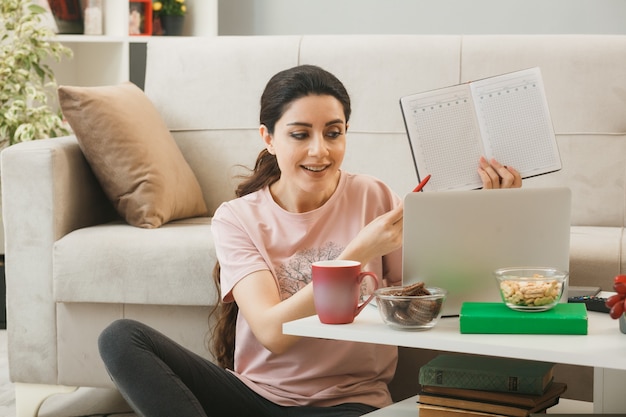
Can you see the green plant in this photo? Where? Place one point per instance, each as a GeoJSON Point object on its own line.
{"type": "Point", "coordinates": [27, 83]}
{"type": "Point", "coordinates": [169, 7]}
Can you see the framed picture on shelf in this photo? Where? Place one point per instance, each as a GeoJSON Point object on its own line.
{"type": "Point", "coordinates": [68, 15]}
{"type": "Point", "coordinates": [140, 17]}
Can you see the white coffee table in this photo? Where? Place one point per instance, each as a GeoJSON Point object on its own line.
{"type": "Point", "coordinates": [604, 348]}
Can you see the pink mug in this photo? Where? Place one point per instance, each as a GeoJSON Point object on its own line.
{"type": "Point", "coordinates": [337, 290]}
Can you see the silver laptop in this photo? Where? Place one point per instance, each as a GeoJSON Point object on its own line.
{"type": "Point", "coordinates": [456, 239]}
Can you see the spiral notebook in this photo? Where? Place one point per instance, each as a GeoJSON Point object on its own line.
{"type": "Point", "coordinates": [456, 239]}
{"type": "Point", "coordinates": [505, 117]}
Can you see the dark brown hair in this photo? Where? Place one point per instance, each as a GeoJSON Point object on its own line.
{"type": "Point", "coordinates": [282, 89]}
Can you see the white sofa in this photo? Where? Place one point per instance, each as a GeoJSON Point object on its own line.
{"type": "Point", "coordinates": [73, 266]}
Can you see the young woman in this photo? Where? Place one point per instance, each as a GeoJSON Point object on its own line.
{"type": "Point", "coordinates": [297, 207]}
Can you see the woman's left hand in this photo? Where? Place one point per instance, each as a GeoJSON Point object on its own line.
{"type": "Point", "coordinates": [496, 175]}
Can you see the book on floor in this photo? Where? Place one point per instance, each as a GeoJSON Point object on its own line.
{"type": "Point", "coordinates": [487, 373]}
{"type": "Point", "coordinates": [530, 401]}
{"type": "Point", "coordinates": [426, 410]}
{"type": "Point", "coordinates": [486, 406]}
{"type": "Point", "coordinates": [505, 117]}
{"type": "Point", "coordinates": [497, 318]}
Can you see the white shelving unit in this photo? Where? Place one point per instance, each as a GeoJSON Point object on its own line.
{"type": "Point", "coordinates": [105, 59]}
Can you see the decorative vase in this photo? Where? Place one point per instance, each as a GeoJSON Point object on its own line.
{"type": "Point", "coordinates": [622, 323]}
{"type": "Point", "coordinates": [92, 16]}
{"type": "Point", "coordinates": [172, 25]}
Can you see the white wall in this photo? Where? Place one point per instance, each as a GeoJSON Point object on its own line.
{"type": "Point", "coordinates": [292, 17]}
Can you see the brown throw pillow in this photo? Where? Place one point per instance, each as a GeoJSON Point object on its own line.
{"type": "Point", "coordinates": [133, 154]}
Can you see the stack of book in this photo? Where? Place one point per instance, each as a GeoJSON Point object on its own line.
{"type": "Point", "coordinates": [466, 385]}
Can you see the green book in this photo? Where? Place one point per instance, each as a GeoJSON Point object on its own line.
{"type": "Point", "coordinates": [487, 374]}
{"type": "Point", "coordinates": [497, 318]}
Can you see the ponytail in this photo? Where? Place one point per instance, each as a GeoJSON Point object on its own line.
{"type": "Point", "coordinates": [222, 338]}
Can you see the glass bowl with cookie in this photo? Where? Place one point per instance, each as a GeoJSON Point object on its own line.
{"type": "Point", "coordinates": [412, 307]}
{"type": "Point", "coordinates": [531, 288]}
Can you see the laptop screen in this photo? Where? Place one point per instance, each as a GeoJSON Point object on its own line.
{"type": "Point", "coordinates": [456, 239]}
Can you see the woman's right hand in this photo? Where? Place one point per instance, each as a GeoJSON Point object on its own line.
{"type": "Point", "coordinates": [381, 236]}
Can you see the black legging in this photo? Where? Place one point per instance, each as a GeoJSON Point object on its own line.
{"type": "Point", "coordinates": [159, 377]}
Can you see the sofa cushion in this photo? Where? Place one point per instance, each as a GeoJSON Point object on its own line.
{"type": "Point", "coordinates": [116, 263]}
{"type": "Point", "coordinates": [595, 255]}
{"type": "Point", "coordinates": [133, 154]}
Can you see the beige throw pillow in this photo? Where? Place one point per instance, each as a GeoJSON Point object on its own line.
{"type": "Point", "coordinates": [133, 154]}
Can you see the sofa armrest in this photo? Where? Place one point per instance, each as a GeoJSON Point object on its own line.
{"type": "Point", "coordinates": [48, 190]}
{"type": "Point", "coordinates": [52, 178]}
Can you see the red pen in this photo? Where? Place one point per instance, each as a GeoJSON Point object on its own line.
{"type": "Point", "coordinates": [422, 184]}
